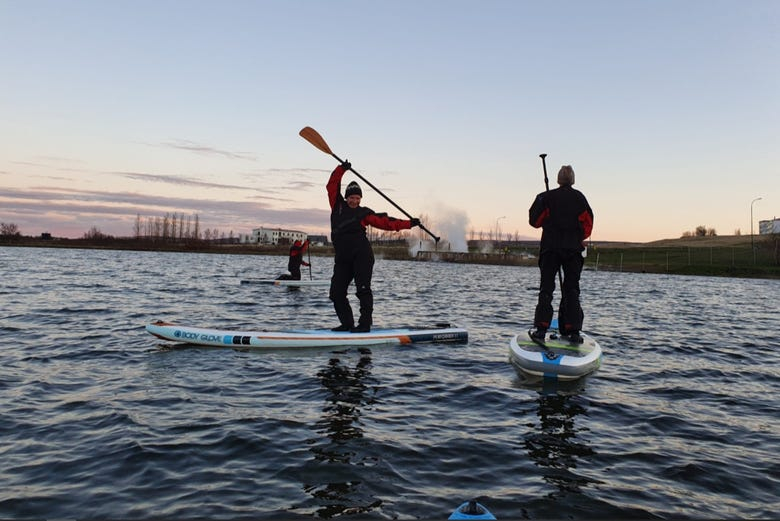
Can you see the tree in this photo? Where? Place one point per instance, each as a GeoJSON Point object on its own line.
{"type": "Point", "coordinates": [137, 227]}
{"type": "Point", "coordinates": [95, 234]}
{"type": "Point", "coordinates": [9, 230]}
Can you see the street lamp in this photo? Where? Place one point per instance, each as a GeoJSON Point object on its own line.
{"type": "Point", "coordinates": [498, 230]}
{"type": "Point", "coordinates": [753, 248]}
{"type": "Point", "coordinates": [751, 218]}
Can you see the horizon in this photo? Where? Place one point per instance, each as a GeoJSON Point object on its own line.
{"type": "Point", "coordinates": [114, 110]}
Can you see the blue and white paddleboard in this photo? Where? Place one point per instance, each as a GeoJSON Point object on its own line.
{"type": "Point", "coordinates": [471, 510]}
{"type": "Point", "coordinates": [558, 358]}
{"type": "Point", "coordinates": [439, 333]}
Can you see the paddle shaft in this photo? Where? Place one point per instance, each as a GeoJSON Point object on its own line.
{"type": "Point", "coordinates": [544, 167]}
{"type": "Point", "coordinates": [313, 137]}
{"type": "Point", "coordinates": [308, 251]}
{"type": "Point", "coordinates": [547, 188]}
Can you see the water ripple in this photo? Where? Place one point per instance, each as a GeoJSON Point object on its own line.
{"type": "Point", "coordinates": [101, 420]}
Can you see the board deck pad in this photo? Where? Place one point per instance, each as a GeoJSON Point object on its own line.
{"type": "Point", "coordinates": [438, 333]}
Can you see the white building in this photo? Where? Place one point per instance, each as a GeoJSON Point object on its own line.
{"type": "Point", "coordinates": [769, 227]}
{"type": "Point", "coordinates": [272, 236]}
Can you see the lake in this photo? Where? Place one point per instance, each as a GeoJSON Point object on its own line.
{"type": "Point", "coordinates": [102, 420]}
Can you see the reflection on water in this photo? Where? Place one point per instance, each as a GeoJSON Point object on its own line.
{"type": "Point", "coordinates": [338, 445]}
{"type": "Point", "coordinates": [554, 445]}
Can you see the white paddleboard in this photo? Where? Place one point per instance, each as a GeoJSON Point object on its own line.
{"type": "Point", "coordinates": [289, 282]}
{"type": "Point", "coordinates": [558, 358]}
{"type": "Point", "coordinates": [440, 333]}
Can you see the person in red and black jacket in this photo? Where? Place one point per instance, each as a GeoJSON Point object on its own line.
{"type": "Point", "coordinates": [295, 261]}
{"type": "Point", "coordinates": [566, 220]}
{"type": "Point", "coordinates": [354, 257]}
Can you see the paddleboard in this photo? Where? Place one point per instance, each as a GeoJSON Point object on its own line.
{"type": "Point", "coordinates": [439, 333]}
{"type": "Point", "coordinates": [289, 282]}
{"type": "Point", "coordinates": [471, 510]}
{"type": "Point", "coordinates": [558, 358]}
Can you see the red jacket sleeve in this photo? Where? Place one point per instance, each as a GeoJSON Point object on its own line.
{"type": "Point", "coordinates": [334, 186]}
{"type": "Point", "coordinates": [586, 220]}
{"type": "Point", "coordinates": [384, 222]}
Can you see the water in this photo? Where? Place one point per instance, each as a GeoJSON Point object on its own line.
{"type": "Point", "coordinates": [102, 420]}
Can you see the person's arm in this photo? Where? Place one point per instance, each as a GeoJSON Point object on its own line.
{"type": "Point", "coordinates": [586, 219]}
{"type": "Point", "coordinates": [385, 222]}
{"type": "Point", "coordinates": [334, 185]}
{"type": "Point", "coordinates": [539, 212]}
{"type": "Point", "coordinates": [303, 249]}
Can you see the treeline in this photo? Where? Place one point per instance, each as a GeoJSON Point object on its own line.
{"type": "Point", "coordinates": [703, 231]}
{"type": "Point", "coordinates": [174, 227]}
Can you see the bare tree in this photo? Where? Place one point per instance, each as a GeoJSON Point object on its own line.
{"type": "Point", "coordinates": [9, 230]}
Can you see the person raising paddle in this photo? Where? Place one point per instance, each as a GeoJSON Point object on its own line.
{"type": "Point", "coordinates": [566, 220]}
{"type": "Point", "coordinates": [354, 256]}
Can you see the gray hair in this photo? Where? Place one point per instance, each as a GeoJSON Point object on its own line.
{"type": "Point", "coordinates": [566, 175]}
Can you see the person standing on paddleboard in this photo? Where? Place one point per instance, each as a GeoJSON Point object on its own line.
{"type": "Point", "coordinates": [566, 220]}
{"type": "Point", "coordinates": [295, 261]}
{"type": "Point", "coordinates": [354, 257]}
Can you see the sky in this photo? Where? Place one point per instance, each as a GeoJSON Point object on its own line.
{"type": "Point", "coordinates": [668, 111]}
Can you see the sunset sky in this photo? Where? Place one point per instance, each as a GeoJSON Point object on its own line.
{"type": "Point", "coordinates": [669, 111]}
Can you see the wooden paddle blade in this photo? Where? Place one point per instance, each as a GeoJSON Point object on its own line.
{"type": "Point", "coordinates": [313, 137]}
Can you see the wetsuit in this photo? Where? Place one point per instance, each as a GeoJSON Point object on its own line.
{"type": "Point", "coordinates": [354, 257]}
{"type": "Point", "coordinates": [296, 259]}
{"type": "Point", "coordinates": [566, 220]}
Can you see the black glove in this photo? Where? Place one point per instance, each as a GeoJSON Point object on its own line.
{"type": "Point", "coordinates": [415, 221]}
{"type": "Point", "coordinates": [346, 165]}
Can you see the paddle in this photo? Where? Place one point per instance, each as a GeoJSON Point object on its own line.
{"type": "Point", "coordinates": [308, 251]}
{"type": "Point", "coordinates": [547, 188]}
{"type": "Point", "coordinates": [313, 137]}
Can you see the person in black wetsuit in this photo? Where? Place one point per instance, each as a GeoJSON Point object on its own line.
{"type": "Point", "coordinates": [295, 261]}
{"type": "Point", "coordinates": [354, 257]}
{"type": "Point", "coordinates": [566, 220]}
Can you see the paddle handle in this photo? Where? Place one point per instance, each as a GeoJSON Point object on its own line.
{"type": "Point", "coordinates": [544, 167]}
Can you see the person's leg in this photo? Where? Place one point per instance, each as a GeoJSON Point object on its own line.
{"type": "Point", "coordinates": [548, 267]}
{"type": "Point", "coordinates": [339, 283]}
{"type": "Point", "coordinates": [364, 270]}
{"type": "Point", "coordinates": [572, 269]}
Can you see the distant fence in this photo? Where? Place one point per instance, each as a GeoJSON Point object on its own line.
{"type": "Point", "coordinates": [660, 260]}
{"type": "Point", "coordinates": [505, 259]}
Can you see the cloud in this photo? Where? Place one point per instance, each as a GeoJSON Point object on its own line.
{"type": "Point", "coordinates": [198, 148]}
{"type": "Point", "coordinates": [176, 180]}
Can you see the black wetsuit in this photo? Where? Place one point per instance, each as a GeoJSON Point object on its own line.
{"type": "Point", "coordinates": [354, 257]}
{"type": "Point", "coordinates": [566, 220]}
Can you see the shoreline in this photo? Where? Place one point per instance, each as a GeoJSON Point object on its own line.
{"type": "Point", "coordinates": [729, 256]}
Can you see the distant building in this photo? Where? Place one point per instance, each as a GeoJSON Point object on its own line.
{"type": "Point", "coordinates": [769, 227]}
{"type": "Point", "coordinates": [319, 240]}
{"type": "Point", "coordinates": [272, 236]}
